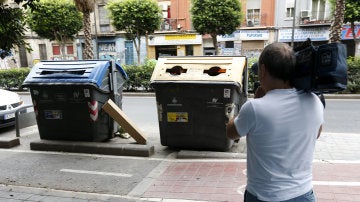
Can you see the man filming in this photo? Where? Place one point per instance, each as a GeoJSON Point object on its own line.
{"type": "Point", "coordinates": [281, 126]}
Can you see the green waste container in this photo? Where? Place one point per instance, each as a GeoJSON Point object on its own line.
{"type": "Point", "coordinates": [68, 95]}
{"type": "Point", "coordinates": [196, 97]}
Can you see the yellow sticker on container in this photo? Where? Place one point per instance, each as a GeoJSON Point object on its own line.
{"type": "Point", "coordinates": [177, 117]}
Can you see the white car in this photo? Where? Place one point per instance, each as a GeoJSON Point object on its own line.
{"type": "Point", "coordinates": [9, 103]}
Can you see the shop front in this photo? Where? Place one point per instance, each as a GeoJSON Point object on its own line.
{"type": "Point", "coordinates": [320, 35]}
{"type": "Point", "coordinates": [254, 41]}
{"type": "Point", "coordinates": [174, 45]}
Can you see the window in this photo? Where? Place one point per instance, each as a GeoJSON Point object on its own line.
{"type": "Point", "coordinates": [42, 50]}
{"type": "Point", "coordinates": [289, 12]}
{"type": "Point", "coordinates": [290, 8]}
{"type": "Point", "coordinates": [104, 21]}
{"type": "Point", "coordinates": [56, 50]}
{"type": "Point", "coordinates": [253, 17]}
{"type": "Point", "coordinates": [70, 50]}
{"type": "Point", "coordinates": [229, 44]}
{"type": "Point", "coordinates": [189, 50]}
{"type": "Point", "coordinates": [318, 9]}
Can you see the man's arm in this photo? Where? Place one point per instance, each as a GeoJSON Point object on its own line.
{"type": "Point", "coordinates": [231, 131]}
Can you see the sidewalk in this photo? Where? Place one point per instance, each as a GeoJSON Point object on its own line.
{"type": "Point", "coordinates": [213, 176]}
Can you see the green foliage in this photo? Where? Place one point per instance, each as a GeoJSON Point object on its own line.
{"type": "Point", "coordinates": [135, 17]}
{"type": "Point", "coordinates": [55, 20]}
{"type": "Point", "coordinates": [139, 76]}
{"type": "Point", "coordinates": [12, 29]}
{"type": "Point", "coordinates": [252, 77]}
{"type": "Point", "coordinates": [353, 85]}
{"type": "Point", "coordinates": [217, 17]}
{"type": "Point", "coordinates": [352, 11]}
{"type": "Point", "coordinates": [13, 78]}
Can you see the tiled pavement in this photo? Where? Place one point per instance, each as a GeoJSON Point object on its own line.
{"type": "Point", "coordinates": [336, 175]}
{"type": "Point", "coordinates": [225, 181]}
{"type": "Point", "coordinates": [336, 178]}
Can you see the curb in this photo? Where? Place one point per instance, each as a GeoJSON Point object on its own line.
{"type": "Point", "coordinates": [128, 149]}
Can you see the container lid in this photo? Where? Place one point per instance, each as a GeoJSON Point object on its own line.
{"type": "Point", "coordinates": [202, 68]}
{"type": "Point", "coordinates": [70, 72]}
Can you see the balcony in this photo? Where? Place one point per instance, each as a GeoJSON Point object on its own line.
{"type": "Point", "coordinates": [169, 25]}
{"type": "Point", "coordinates": [313, 22]}
{"type": "Point", "coordinates": [308, 18]}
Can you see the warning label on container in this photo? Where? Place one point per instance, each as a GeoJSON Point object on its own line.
{"type": "Point", "coordinates": [177, 117]}
{"type": "Point", "coordinates": [86, 92]}
{"type": "Point", "coordinates": [53, 114]}
{"type": "Point", "coordinates": [227, 93]}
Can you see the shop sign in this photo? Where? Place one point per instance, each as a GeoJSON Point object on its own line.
{"type": "Point", "coordinates": [176, 39]}
{"type": "Point", "coordinates": [254, 35]}
{"type": "Point", "coordinates": [346, 33]}
{"type": "Point", "coordinates": [315, 34]}
{"type": "Point", "coordinates": [180, 37]}
{"type": "Point", "coordinates": [235, 36]}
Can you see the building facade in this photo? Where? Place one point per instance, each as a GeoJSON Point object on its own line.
{"type": "Point", "coordinates": [265, 21]}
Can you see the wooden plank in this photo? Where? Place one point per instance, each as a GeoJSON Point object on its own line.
{"type": "Point", "coordinates": [120, 117]}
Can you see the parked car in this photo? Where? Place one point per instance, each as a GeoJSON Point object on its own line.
{"type": "Point", "coordinates": [9, 103]}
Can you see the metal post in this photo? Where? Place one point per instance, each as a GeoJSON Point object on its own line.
{"type": "Point", "coordinates": [293, 26]}
{"type": "Point", "coordinates": [95, 34]}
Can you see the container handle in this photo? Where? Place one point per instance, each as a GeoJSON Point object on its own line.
{"type": "Point", "coordinates": [214, 71]}
{"type": "Point", "coordinates": [76, 72]}
{"type": "Point", "coordinates": [176, 70]}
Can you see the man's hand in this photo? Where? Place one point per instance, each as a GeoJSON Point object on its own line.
{"type": "Point", "coordinates": [231, 132]}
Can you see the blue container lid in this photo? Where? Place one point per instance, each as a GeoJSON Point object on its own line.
{"type": "Point", "coordinates": [90, 72]}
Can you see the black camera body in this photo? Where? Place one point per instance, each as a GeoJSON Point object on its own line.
{"type": "Point", "coordinates": [321, 69]}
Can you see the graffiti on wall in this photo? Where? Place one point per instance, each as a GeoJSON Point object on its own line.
{"type": "Point", "coordinates": [107, 50]}
{"type": "Point", "coordinates": [8, 62]}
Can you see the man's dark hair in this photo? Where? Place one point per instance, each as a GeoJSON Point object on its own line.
{"type": "Point", "coordinates": [279, 60]}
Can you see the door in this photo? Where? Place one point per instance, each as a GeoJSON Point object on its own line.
{"type": "Point", "coordinates": [129, 53]}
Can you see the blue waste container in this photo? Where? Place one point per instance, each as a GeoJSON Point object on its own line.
{"type": "Point", "coordinates": [68, 97]}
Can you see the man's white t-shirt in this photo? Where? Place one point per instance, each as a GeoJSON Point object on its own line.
{"type": "Point", "coordinates": [281, 129]}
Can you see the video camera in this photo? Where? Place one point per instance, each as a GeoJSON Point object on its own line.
{"type": "Point", "coordinates": [319, 69]}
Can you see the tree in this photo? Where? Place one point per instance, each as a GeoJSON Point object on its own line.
{"type": "Point", "coordinates": [12, 27]}
{"type": "Point", "coordinates": [216, 17]}
{"type": "Point", "coordinates": [337, 23]}
{"type": "Point", "coordinates": [11, 30]}
{"type": "Point", "coordinates": [86, 7]}
{"type": "Point", "coordinates": [55, 20]}
{"type": "Point", "coordinates": [352, 13]}
{"type": "Point", "coordinates": [136, 17]}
